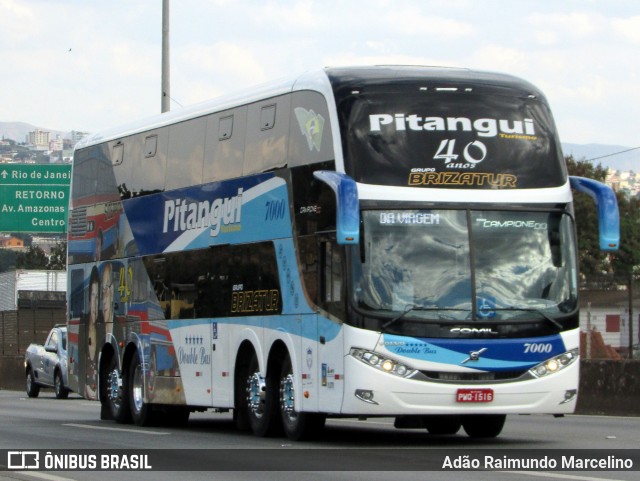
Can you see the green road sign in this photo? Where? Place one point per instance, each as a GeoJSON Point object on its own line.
{"type": "Point", "coordinates": [34, 197]}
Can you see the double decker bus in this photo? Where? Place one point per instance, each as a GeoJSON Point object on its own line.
{"type": "Point", "coordinates": [356, 242]}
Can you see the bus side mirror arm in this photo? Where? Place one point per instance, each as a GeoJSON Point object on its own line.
{"type": "Point", "coordinates": [347, 205]}
{"type": "Point", "coordinates": [608, 214]}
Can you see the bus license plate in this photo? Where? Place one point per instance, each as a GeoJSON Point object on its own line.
{"type": "Point", "coordinates": [474, 395]}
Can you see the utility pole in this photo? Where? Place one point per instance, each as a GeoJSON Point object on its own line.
{"type": "Point", "coordinates": [631, 312]}
{"type": "Point", "coordinates": [165, 87]}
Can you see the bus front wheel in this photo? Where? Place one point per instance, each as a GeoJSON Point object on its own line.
{"type": "Point", "coordinates": [297, 426]}
{"type": "Point", "coordinates": [442, 425]}
{"type": "Point", "coordinates": [483, 425]}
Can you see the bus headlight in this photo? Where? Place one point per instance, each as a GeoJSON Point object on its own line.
{"type": "Point", "coordinates": [382, 362]}
{"type": "Point", "coordinates": [555, 364]}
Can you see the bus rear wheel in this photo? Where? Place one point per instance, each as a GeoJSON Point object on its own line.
{"type": "Point", "coordinates": [141, 412]}
{"type": "Point", "coordinates": [297, 426]}
{"type": "Point", "coordinates": [483, 425]}
{"type": "Point", "coordinates": [261, 401]}
{"type": "Point", "coordinates": [116, 389]}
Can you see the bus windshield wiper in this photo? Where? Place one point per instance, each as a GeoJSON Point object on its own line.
{"type": "Point", "coordinates": [407, 310]}
{"type": "Point", "coordinates": [412, 307]}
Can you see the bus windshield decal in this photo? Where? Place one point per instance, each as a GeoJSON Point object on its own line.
{"type": "Point", "coordinates": [485, 127]}
{"type": "Point", "coordinates": [479, 140]}
{"type": "Point", "coordinates": [463, 178]}
{"type": "Point", "coordinates": [511, 224]}
{"type": "Point", "coordinates": [409, 218]}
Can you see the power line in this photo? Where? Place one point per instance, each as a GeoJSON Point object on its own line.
{"type": "Point", "coordinates": [611, 155]}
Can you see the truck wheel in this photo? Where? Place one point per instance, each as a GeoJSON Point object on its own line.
{"type": "Point", "coordinates": [61, 391]}
{"type": "Point", "coordinates": [32, 388]}
{"type": "Point", "coordinates": [297, 426]}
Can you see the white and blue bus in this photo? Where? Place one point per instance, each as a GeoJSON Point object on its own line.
{"type": "Point", "coordinates": [357, 242]}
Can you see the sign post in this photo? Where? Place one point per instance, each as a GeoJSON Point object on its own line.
{"type": "Point", "coordinates": [34, 197]}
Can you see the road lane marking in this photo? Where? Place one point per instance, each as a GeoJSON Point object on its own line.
{"type": "Point", "coordinates": [48, 477]}
{"type": "Point", "coordinates": [551, 474]}
{"type": "Point", "coordinates": [122, 430]}
{"type": "Point", "coordinates": [361, 421]}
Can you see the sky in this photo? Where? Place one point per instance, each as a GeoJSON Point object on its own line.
{"type": "Point", "coordinates": [92, 65]}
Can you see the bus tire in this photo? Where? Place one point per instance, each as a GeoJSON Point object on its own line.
{"type": "Point", "coordinates": [261, 396]}
{"type": "Point", "coordinates": [442, 425]}
{"type": "Point", "coordinates": [116, 393]}
{"type": "Point", "coordinates": [240, 408]}
{"type": "Point", "coordinates": [297, 426]}
{"type": "Point", "coordinates": [141, 412]}
{"type": "Point", "coordinates": [483, 425]}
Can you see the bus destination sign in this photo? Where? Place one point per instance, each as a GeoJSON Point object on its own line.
{"type": "Point", "coordinates": [34, 197]}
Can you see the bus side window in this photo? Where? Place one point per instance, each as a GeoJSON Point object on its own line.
{"type": "Point", "coordinates": [225, 128]}
{"type": "Point", "coordinates": [331, 277]}
{"type": "Point", "coordinates": [150, 146]}
{"type": "Point", "coordinates": [117, 154]}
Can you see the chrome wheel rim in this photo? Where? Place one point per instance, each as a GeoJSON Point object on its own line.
{"type": "Point", "coordinates": [287, 398]}
{"type": "Point", "coordinates": [113, 387]}
{"type": "Point", "coordinates": [136, 389]}
{"type": "Point", "coordinates": [256, 390]}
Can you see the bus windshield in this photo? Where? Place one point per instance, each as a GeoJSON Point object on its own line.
{"type": "Point", "coordinates": [459, 140]}
{"type": "Point", "coordinates": [466, 265]}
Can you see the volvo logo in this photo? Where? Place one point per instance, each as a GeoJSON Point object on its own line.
{"type": "Point", "coordinates": [474, 355]}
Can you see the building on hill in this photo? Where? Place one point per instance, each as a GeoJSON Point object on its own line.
{"type": "Point", "coordinates": [39, 139]}
{"type": "Point", "coordinates": [11, 242]}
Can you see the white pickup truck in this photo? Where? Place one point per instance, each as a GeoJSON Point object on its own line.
{"type": "Point", "coordinates": [46, 366]}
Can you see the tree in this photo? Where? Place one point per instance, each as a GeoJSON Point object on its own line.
{"type": "Point", "coordinates": [58, 257]}
{"type": "Point", "coordinates": [627, 259]}
{"type": "Point", "coordinates": [7, 260]}
{"type": "Point", "coordinates": [32, 258]}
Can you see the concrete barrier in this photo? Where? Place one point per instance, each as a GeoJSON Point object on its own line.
{"type": "Point", "coordinates": [606, 387]}
{"type": "Point", "coordinates": [609, 387]}
{"type": "Point", "coordinates": [12, 374]}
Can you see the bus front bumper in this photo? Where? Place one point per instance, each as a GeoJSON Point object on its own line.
{"type": "Point", "coordinates": [369, 391]}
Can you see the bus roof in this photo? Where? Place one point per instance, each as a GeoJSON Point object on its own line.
{"type": "Point", "coordinates": [324, 80]}
{"type": "Point", "coordinates": [431, 77]}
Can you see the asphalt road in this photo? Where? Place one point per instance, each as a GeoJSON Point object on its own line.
{"type": "Point", "coordinates": [348, 449]}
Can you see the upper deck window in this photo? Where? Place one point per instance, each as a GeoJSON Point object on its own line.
{"type": "Point", "coordinates": [225, 129]}
{"type": "Point", "coordinates": [450, 137]}
{"type": "Point", "coordinates": [118, 154]}
{"type": "Point", "coordinates": [150, 146]}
